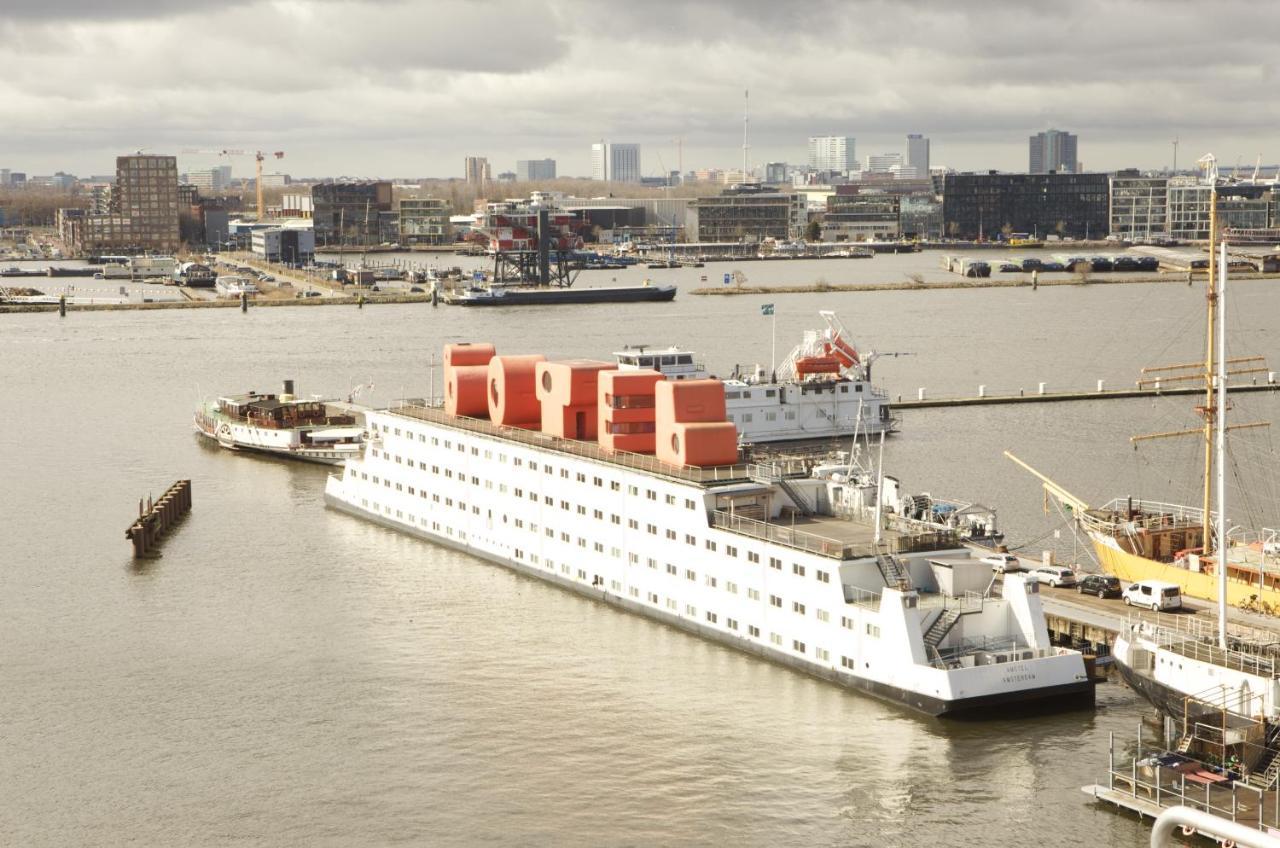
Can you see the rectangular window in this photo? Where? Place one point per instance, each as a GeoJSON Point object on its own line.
{"type": "Point", "coordinates": [730, 550]}
{"type": "Point", "coordinates": [730, 586]}
{"type": "Point", "coordinates": [797, 607]}
{"type": "Point", "coordinates": [690, 539]}
{"type": "Point", "coordinates": [753, 594]}
{"type": "Point", "coordinates": [711, 581]}
{"type": "Point", "coordinates": [690, 503]}
{"type": "Point", "coordinates": [822, 615]}
{"type": "Point", "coordinates": [776, 563]}
{"type": "Point", "coordinates": [711, 617]}
{"type": "Point", "coordinates": [775, 601]}
{"type": "Point", "coordinates": [711, 546]}
{"type": "Point", "coordinates": [797, 646]}
{"type": "Point", "coordinates": [752, 556]}
{"type": "Point", "coordinates": [754, 631]}
{"type": "Point", "coordinates": [690, 574]}
{"type": "Point", "coordinates": [731, 623]}
{"type": "Point", "coordinates": [823, 576]}
{"type": "Point", "coordinates": [797, 568]}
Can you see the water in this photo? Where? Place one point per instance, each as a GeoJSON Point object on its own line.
{"type": "Point", "coordinates": [288, 675]}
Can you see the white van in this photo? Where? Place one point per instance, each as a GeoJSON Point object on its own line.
{"type": "Point", "coordinates": [1155, 595]}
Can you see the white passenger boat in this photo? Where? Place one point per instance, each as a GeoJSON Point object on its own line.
{"type": "Point", "coordinates": [822, 390]}
{"type": "Point", "coordinates": [231, 285]}
{"type": "Point", "coordinates": [312, 430]}
{"type": "Point", "coordinates": [795, 562]}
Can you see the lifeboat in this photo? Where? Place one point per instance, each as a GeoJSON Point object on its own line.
{"type": "Point", "coordinates": [806, 365]}
{"type": "Point", "coordinates": [842, 351]}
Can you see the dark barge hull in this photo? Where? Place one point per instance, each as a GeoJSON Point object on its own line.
{"type": "Point", "coordinates": [556, 296]}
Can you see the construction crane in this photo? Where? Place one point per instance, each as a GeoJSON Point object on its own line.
{"type": "Point", "coordinates": [258, 156]}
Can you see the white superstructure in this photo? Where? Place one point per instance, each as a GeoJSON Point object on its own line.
{"type": "Point", "coordinates": [822, 389]}
{"type": "Point", "coordinates": [231, 285]}
{"type": "Point", "coordinates": [777, 560]}
{"type": "Point", "coordinates": [312, 430]}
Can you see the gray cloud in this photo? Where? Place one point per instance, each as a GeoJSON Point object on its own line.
{"type": "Point", "coordinates": [400, 87]}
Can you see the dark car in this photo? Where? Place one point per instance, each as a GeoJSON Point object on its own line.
{"type": "Point", "coordinates": [1102, 585]}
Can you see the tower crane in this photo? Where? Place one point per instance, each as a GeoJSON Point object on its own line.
{"type": "Point", "coordinates": [258, 157]}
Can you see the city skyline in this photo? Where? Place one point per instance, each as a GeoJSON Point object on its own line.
{"type": "Point", "coordinates": [415, 96]}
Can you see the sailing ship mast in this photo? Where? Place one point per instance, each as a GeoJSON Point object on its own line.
{"type": "Point", "coordinates": [1211, 412]}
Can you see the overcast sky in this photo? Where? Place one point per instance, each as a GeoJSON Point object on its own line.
{"type": "Point", "coordinates": [398, 89]}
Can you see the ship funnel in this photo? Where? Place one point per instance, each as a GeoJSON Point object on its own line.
{"type": "Point", "coordinates": [288, 391]}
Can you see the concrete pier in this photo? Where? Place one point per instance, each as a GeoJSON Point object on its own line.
{"type": "Point", "coordinates": [983, 398]}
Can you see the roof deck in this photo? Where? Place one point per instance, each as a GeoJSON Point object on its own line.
{"type": "Point", "coordinates": [834, 536]}
{"type": "Point", "coordinates": [712, 475]}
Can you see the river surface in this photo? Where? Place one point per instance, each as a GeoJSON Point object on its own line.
{"type": "Point", "coordinates": [290, 675]}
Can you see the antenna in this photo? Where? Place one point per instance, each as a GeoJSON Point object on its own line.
{"type": "Point", "coordinates": [1175, 155]}
{"type": "Point", "coordinates": [746, 145]}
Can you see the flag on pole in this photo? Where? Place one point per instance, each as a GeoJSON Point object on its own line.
{"type": "Point", "coordinates": [766, 309]}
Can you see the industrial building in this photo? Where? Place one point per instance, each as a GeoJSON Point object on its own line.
{"type": "Point", "coordinates": [859, 216]}
{"type": "Point", "coordinates": [352, 213]}
{"type": "Point", "coordinates": [833, 154]}
{"type": "Point", "coordinates": [424, 220]}
{"type": "Point", "coordinates": [618, 163]}
{"type": "Point", "coordinates": [983, 206]}
{"type": "Point", "coordinates": [290, 245]}
{"type": "Point", "coordinates": [1139, 206]}
{"type": "Point", "coordinates": [747, 213]}
{"type": "Point", "coordinates": [1053, 152]}
{"type": "Point", "coordinates": [534, 170]}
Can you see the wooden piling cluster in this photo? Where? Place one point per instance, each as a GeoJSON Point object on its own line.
{"type": "Point", "coordinates": [156, 518]}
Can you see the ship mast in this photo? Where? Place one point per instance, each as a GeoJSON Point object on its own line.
{"type": "Point", "coordinates": [1210, 367]}
{"type": "Point", "coordinates": [1221, 449]}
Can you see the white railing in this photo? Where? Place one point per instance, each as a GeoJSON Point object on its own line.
{"type": "Point", "coordinates": [640, 462]}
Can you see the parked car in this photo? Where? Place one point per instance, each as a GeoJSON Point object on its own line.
{"type": "Point", "coordinates": [1102, 585]}
{"type": "Point", "coordinates": [1155, 595]}
{"type": "Point", "coordinates": [415, 290]}
{"type": "Point", "coordinates": [1003, 563]}
{"type": "Point", "coordinates": [1054, 575]}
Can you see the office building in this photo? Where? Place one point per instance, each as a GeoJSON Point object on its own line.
{"type": "Point", "coordinates": [1053, 152]}
{"type": "Point", "coordinates": [920, 217]}
{"type": "Point", "coordinates": [424, 220]}
{"type": "Point", "coordinates": [832, 154]}
{"type": "Point", "coordinates": [210, 180]}
{"type": "Point", "coordinates": [350, 213]}
{"type": "Point", "coordinates": [883, 163]}
{"type": "Point", "coordinates": [476, 170]}
{"type": "Point", "coordinates": [1189, 203]}
{"type": "Point", "coordinates": [989, 205]}
{"type": "Point", "coordinates": [1139, 206]}
{"type": "Point", "coordinates": [918, 154]}
{"type": "Point", "coordinates": [775, 173]}
{"type": "Point", "coordinates": [276, 180]}
{"type": "Point", "coordinates": [291, 245]}
{"type": "Point", "coordinates": [143, 212]}
{"type": "Point", "coordinates": [618, 163]}
{"type": "Point", "coordinates": [861, 216]}
{"type": "Point", "coordinates": [746, 214]}
{"type": "Point", "coordinates": [533, 170]}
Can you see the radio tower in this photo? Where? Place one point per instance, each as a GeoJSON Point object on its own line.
{"type": "Point", "coordinates": [746, 146]}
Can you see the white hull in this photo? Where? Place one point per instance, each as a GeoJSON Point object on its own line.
{"type": "Point", "coordinates": [287, 443]}
{"type": "Point", "coordinates": [643, 541]}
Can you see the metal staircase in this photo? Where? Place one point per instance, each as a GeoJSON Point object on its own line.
{"type": "Point", "coordinates": [1184, 744]}
{"type": "Point", "coordinates": [895, 576]}
{"type": "Point", "coordinates": [941, 627]}
{"type": "Point", "coordinates": [1267, 777]}
{"type": "Point", "coordinates": [769, 474]}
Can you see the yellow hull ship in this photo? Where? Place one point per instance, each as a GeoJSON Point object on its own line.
{"type": "Point", "coordinates": [1253, 571]}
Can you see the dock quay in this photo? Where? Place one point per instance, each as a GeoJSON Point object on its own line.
{"type": "Point", "coordinates": [923, 401]}
{"type": "Point", "coordinates": [1151, 782]}
{"type": "Point", "coordinates": [158, 517]}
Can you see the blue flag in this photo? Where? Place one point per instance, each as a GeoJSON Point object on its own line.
{"type": "Point", "coordinates": [766, 309]}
